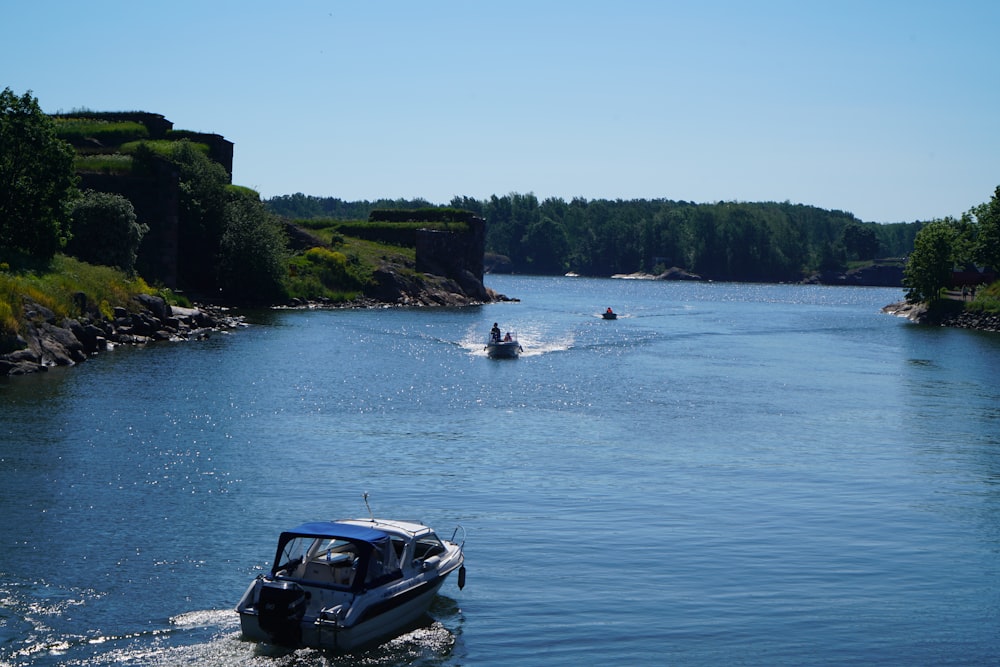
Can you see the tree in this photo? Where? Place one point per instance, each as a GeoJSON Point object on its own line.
{"type": "Point", "coordinates": [252, 252]}
{"type": "Point", "coordinates": [37, 180]}
{"type": "Point", "coordinates": [931, 262]}
{"type": "Point", "coordinates": [987, 247]}
{"type": "Point", "coordinates": [202, 212]}
{"type": "Point", "coordinates": [105, 230]}
{"type": "Point", "coordinates": [860, 241]}
{"type": "Point", "coordinates": [546, 246]}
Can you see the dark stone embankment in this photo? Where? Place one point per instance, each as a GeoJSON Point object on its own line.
{"type": "Point", "coordinates": [50, 341]}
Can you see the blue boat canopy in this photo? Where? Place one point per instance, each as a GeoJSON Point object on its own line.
{"type": "Point", "coordinates": [347, 531]}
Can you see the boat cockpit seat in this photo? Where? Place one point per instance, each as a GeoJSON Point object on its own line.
{"type": "Point", "coordinates": [320, 571]}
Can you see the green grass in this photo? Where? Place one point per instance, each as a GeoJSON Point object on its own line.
{"type": "Point", "coordinates": [987, 300]}
{"type": "Point", "coordinates": [56, 287]}
{"type": "Point", "coordinates": [107, 133]}
{"type": "Point", "coordinates": [161, 147]}
{"type": "Point", "coordinates": [341, 271]}
{"type": "Point", "coordinates": [114, 163]}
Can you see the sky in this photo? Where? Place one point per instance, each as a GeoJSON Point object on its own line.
{"type": "Point", "coordinates": [882, 108]}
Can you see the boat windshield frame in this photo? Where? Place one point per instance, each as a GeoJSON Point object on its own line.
{"type": "Point", "coordinates": [312, 539]}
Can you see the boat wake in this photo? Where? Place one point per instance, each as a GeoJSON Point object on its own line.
{"type": "Point", "coordinates": [537, 347]}
{"type": "Point", "coordinates": [533, 344]}
{"type": "Point", "coordinates": [422, 645]}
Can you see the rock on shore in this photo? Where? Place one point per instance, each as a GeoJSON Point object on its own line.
{"type": "Point", "coordinates": [51, 341]}
{"type": "Point", "coordinates": [953, 314]}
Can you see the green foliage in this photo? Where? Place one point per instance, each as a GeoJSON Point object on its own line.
{"type": "Point", "coordinates": [421, 215]}
{"type": "Point", "coordinates": [321, 272]}
{"type": "Point", "coordinates": [56, 288]}
{"type": "Point", "coordinates": [930, 265]}
{"type": "Point", "coordinates": [986, 247]}
{"type": "Point", "coordinates": [37, 181]}
{"type": "Point", "coordinates": [302, 206]}
{"type": "Point", "coordinates": [967, 244]}
{"type": "Point", "coordinates": [860, 241]}
{"type": "Point", "coordinates": [727, 240]}
{"type": "Point", "coordinates": [164, 148]}
{"type": "Point", "coordinates": [548, 245]}
{"type": "Point", "coordinates": [90, 131]}
{"type": "Point", "coordinates": [252, 265]}
{"type": "Point", "coordinates": [203, 200]}
{"type": "Point", "coordinates": [105, 230]}
{"type": "Point", "coordinates": [766, 241]}
{"type": "Point", "coordinates": [103, 163]}
{"type": "Point", "coordinates": [242, 191]}
{"type": "Point", "coordinates": [987, 299]}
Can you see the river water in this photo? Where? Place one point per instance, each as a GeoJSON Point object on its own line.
{"type": "Point", "coordinates": [727, 474]}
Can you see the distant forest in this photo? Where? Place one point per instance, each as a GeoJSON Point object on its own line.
{"type": "Point", "coordinates": [766, 241]}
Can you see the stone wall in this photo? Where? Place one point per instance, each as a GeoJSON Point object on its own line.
{"type": "Point", "coordinates": [155, 198]}
{"type": "Point", "coordinates": [454, 255]}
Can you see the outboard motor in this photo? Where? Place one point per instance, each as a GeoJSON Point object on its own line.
{"type": "Point", "coordinates": [280, 609]}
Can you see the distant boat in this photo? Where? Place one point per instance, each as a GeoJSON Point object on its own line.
{"type": "Point", "coordinates": [503, 348]}
{"type": "Point", "coordinates": [609, 314]}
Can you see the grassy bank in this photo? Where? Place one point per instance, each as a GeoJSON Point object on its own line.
{"type": "Point", "coordinates": [57, 287]}
{"type": "Point", "coordinates": [342, 269]}
{"type": "Point", "coordinates": [987, 300]}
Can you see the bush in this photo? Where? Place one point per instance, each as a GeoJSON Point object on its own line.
{"type": "Point", "coordinates": [987, 300]}
{"type": "Point", "coordinates": [105, 230]}
{"type": "Point", "coordinates": [252, 252]}
{"type": "Point", "coordinates": [323, 273]}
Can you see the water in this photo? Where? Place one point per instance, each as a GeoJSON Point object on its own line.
{"type": "Point", "coordinates": [727, 474]}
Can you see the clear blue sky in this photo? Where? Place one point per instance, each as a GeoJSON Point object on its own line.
{"type": "Point", "coordinates": [886, 109]}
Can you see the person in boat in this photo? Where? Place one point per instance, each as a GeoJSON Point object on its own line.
{"type": "Point", "coordinates": [609, 311]}
{"type": "Point", "coordinates": [507, 338]}
{"type": "Point", "coordinates": [495, 333]}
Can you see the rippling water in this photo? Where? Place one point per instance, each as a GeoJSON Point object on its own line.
{"type": "Point", "coordinates": [751, 474]}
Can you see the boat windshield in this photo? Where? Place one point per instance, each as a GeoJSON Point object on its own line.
{"type": "Point", "coordinates": [335, 561]}
{"type": "Point", "coordinates": [384, 565]}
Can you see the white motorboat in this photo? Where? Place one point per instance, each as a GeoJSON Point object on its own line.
{"type": "Point", "coordinates": [503, 348]}
{"type": "Point", "coordinates": [341, 585]}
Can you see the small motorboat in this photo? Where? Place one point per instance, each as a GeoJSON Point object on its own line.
{"type": "Point", "coordinates": [503, 348]}
{"type": "Point", "coordinates": [609, 314]}
{"type": "Point", "coordinates": [341, 585]}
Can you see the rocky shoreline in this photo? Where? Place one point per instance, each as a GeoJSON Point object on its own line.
{"type": "Point", "coordinates": [50, 341]}
{"type": "Point", "coordinates": [951, 316]}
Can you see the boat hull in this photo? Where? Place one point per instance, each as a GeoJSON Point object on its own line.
{"type": "Point", "coordinates": [328, 634]}
{"type": "Point", "coordinates": [509, 350]}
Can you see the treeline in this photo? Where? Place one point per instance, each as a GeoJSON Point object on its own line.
{"type": "Point", "coordinates": [304, 207]}
{"type": "Point", "coordinates": [766, 241]}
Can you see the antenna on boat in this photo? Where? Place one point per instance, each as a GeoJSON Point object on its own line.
{"type": "Point", "coordinates": [365, 496]}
